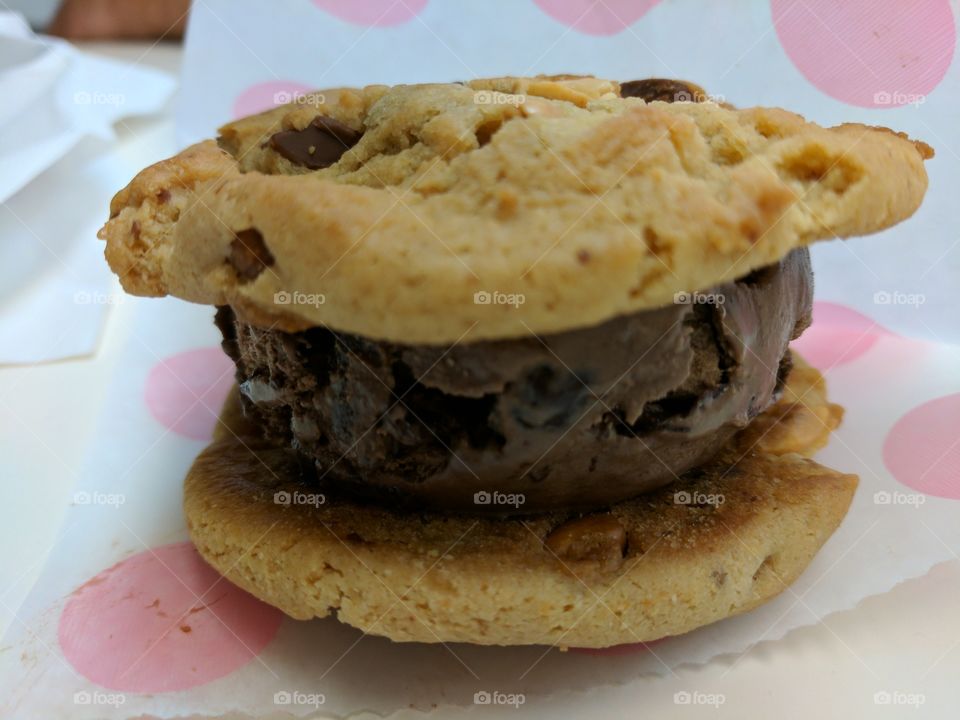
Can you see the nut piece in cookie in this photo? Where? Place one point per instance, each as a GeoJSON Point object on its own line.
{"type": "Point", "coordinates": [591, 543]}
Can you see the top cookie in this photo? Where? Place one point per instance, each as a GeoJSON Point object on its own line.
{"type": "Point", "coordinates": [496, 208]}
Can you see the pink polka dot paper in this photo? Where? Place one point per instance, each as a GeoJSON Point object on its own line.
{"type": "Point", "coordinates": [373, 13]}
{"type": "Point", "coordinates": [160, 621]}
{"type": "Point", "coordinates": [597, 18]}
{"type": "Point", "coordinates": [870, 53]}
{"type": "Point", "coordinates": [185, 392]}
{"type": "Point", "coordinates": [838, 335]}
{"type": "Point", "coordinates": [922, 450]}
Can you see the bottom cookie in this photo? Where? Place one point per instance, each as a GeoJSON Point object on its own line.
{"type": "Point", "coordinates": [722, 540]}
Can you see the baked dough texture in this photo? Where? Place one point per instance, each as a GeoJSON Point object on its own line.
{"type": "Point", "coordinates": [496, 208]}
{"type": "Point", "coordinates": [722, 540]}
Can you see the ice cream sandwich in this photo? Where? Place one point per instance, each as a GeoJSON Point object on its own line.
{"type": "Point", "coordinates": [512, 355]}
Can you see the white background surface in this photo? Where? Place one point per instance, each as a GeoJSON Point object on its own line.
{"type": "Point", "coordinates": [905, 641]}
{"type": "Point", "coordinates": [57, 116]}
{"type": "Point", "coordinates": [45, 408]}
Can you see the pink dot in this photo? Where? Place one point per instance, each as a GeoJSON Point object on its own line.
{"type": "Point", "coordinates": [186, 391]}
{"type": "Point", "coordinates": [626, 649]}
{"type": "Point", "coordinates": [922, 450]}
{"type": "Point", "coordinates": [373, 13]}
{"type": "Point", "coordinates": [596, 18]}
{"type": "Point", "coordinates": [839, 335]}
{"type": "Point", "coordinates": [160, 621]}
{"type": "Point", "coordinates": [267, 95]}
{"type": "Point", "coordinates": [870, 53]}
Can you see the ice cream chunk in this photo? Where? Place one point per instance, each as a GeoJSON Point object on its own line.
{"type": "Point", "coordinates": [574, 420]}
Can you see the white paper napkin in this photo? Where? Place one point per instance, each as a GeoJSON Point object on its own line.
{"type": "Point", "coordinates": [56, 126]}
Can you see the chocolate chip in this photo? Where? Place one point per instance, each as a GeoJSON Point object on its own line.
{"type": "Point", "coordinates": [596, 540]}
{"type": "Point", "coordinates": [664, 90]}
{"type": "Point", "coordinates": [320, 144]}
{"type": "Point", "coordinates": [249, 254]}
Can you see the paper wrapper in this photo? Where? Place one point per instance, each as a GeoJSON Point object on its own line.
{"type": "Point", "coordinates": [56, 120]}
{"type": "Point", "coordinates": [159, 634]}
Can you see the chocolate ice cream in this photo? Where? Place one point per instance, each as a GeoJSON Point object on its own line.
{"type": "Point", "coordinates": [577, 419]}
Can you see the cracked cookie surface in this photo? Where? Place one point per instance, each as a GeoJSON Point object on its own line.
{"type": "Point", "coordinates": [387, 212]}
